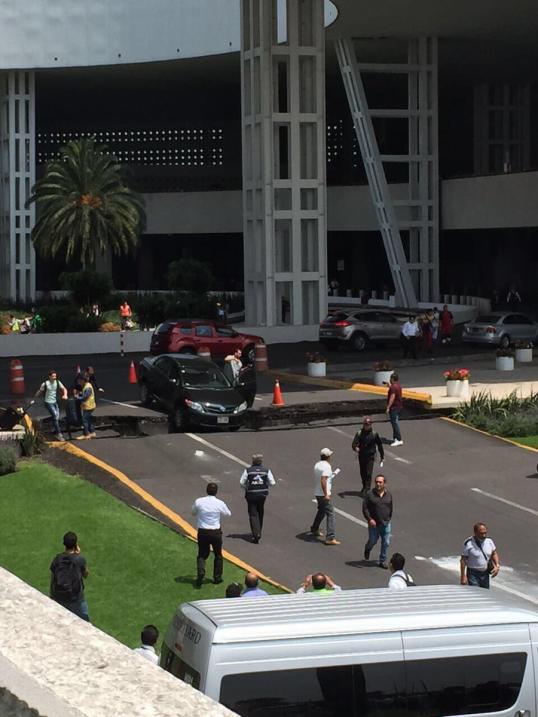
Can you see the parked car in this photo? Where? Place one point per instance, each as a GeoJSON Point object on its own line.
{"type": "Point", "coordinates": [194, 391]}
{"type": "Point", "coordinates": [500, 328]}
{"type": "Point", "coordinates": [356, 328]}
{"type": "Point", "coordinates": [186, 336]}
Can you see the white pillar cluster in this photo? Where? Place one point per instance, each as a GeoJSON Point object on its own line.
{"type": "Point", "coordinates": [17, 177]}
{"type": "Point", "coordinates": [284, 188]}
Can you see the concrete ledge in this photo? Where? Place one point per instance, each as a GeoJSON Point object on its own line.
{"type": "Point", "coordinates": [73, 343]}
{"type": "Point", "coordinates": [60, 666]}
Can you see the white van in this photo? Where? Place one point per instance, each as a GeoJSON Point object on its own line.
{"type": "Point", "coordinates": [425, 652]}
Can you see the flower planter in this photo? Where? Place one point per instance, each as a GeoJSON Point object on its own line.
{"type": "Point", "coordinates": [524, 355]}
{"type": "Point", "coordinates": [458, 388]}
{"type": "Point", "coordinates": [317, 369]}
{"type": "Point", "coordinates": [382, 377]}
{"type": "Point", "coordinates": [504, 363]}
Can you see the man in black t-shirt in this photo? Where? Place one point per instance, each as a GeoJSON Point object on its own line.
{"type": "Point", "coordinates": [365, 444]}
{"type": "Point", "coordinates": [68, 570]}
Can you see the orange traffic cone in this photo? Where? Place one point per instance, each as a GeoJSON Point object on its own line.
{"type": "Point", "coordinates": [132, 373]}
{"type": "Point", "coordinates": [277, 395]}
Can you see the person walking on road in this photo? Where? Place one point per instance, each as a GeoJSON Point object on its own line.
{"type": "Point", "coordinates": [410, 335]}
{"type": "Point", "coordinates": [323, 480]}
{"type": "Point", "coordinates": [399, 580]}
{"type": "Point", "coordinates": [377, 509]}
{"type": "Point", "coordinates": [252, 588]}
{"type": "Point", "coordinates": [479, 558]}
{"type": "Point", "coordinates": [365, 444]}
{"type": "Point", "coordinates": [394, 408]}
{"type": "Point", "coordinates": [319, 584]}
{"type": "Point", "coordinates": [68, 570]}
{"type": "Point", "coordinates": [50, 388]}
{"type": "Point", "coordinates": [88, 406]}
{"type": "Point", "coordinates": [256, 481]}
{"type": "Point", "coordinates": [208, 511]}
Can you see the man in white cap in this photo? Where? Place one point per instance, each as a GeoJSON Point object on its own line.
{"type": "Point", "coordinates": [323, 479]}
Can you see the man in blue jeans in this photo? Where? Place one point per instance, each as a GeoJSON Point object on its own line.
{"type": "Point", "coordinates": [377, 509]}
{"type": "Point", "coordinates": [50, 388]}
{"type": "Point", "coordinates": [394, 407]}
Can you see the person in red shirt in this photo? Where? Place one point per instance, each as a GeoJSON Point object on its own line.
{"type": "Point", "coordinates": [394, 407]}
{"type": "Point", "coordinates": [446, 321]}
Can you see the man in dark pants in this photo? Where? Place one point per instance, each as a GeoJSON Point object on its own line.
{"type": "Point", "coordinates": [323, 480]}
{"type": "Point", "coordinates": [256, 481]}
{"type": "Point", "coordinates": [394, 407]}
{"type": "Point", "coordinates": [377, 509]}
{"type": "Point", "coordinates": [477, 554]}
{"type": "Point", "coordinates": [365, 444]}
{"type": "Point", "coordinates": [208, 511]}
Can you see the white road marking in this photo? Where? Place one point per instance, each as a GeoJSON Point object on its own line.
{"type": "Point", "coordinates": [514, 584]}
{"type": "Point", "coordinates": [387, 453]}
{"type": "Point", "coordinates": [347, 515]}
{"type": "Point", "coordinates": [219, 450]}
{"type": "Point", "coordinates": [257, 398]}
{"type": "Point", "coordinates": [503, 500]}
{"type": "Point", "coordinates": [119, 403]}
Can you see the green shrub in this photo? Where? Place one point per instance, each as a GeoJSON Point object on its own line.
{"type": "Point", "coordinates": [8, 460]}
{"type": "Point", "coordinates": [32, 443]}
{"type": "Point", "coordinates": [151, 310]}
{"type": "Point", "coordinates": [84, 324]}
{"type": "Point", "coordinates": [509, 416]}
{"type": "Point", "coordinates": [87, 287]}
{"type": "Point", "coordinates": [56, 318]}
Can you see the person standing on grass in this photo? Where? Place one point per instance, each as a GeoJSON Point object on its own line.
{"type": "Point", "coordinates": [88, 406]}
{"type": "Point", "coordinates": [256, 481]}
{"type": "Point", "coordinates": [394, 408]}
{"type": "Point", "coordinates": [208, 511]}
{"type": "Point", "coordinates": [252, 586]}
{"type": "Point", "coordinates": [148, 638]}
{"type": "Point", "coordinates": [366, 444]}
{"type": "Point", "coordinates": [377, 510]}
{"type": "Point", "coordinates": [323, 480]}
{"type": "Point", "coordinates": [68, 570]}
{"type": "Point", "coordinates": [50, 388]}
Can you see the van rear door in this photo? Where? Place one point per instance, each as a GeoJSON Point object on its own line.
{"type": "Point", "coordinates": [470, 671]}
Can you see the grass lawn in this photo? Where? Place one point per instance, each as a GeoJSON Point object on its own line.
{"type": "Point", "coordinates": [139, 569]}
{"type": "Point", "coordinates": [531, 441]}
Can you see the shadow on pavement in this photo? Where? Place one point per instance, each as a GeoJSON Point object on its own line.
{"type": "Point", "coordinates": [247, 537]}
{"type": "Point", "coordinates": [350, 494]}
{"type": "Point", "coordinates": [362, 563]}
{"type": "Point", "coordinates": [307, 537]}
{"type": "Point", "coordinates": [532, 475]}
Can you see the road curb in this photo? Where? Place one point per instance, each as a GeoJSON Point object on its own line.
{"type": "Point", "coordinates": [491, 435]}
{"type": "Point", "coordinates": [189, 530]}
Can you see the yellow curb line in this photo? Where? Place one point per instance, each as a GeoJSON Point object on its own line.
{"type": "Point", "coordinates": [382, 391]}
{"type": "Point", "coordinates": [161, 507]}
{"type": "Point", "coordinates": [491, 435]}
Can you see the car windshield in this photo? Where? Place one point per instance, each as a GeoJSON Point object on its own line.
{"type": "Point", "coordinates": [487, 319]}
{"type": "Point", "coordinates": [202, 377]}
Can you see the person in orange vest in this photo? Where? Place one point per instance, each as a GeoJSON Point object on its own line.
{"type": "Point", "coordinates": [88, 406]}
{"type": "Point", "coordinates": [125, 315]}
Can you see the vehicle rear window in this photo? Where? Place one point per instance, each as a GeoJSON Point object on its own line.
{"type": "Point", "coordinates": [340, 316]}
{"type": "Point", "coordinates": [164, 328]}
{"type": "Point", "coordinates": [487, 319]}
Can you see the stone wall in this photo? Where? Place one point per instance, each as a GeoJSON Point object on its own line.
{"type": "Point", "coordinates": [52, 664]}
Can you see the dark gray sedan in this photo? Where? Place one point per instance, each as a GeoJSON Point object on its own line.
{"type": "Point", "coordinates": [500, 328]}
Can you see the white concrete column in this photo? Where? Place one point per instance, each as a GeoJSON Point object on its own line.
{"type": "Point", "coordinates": [17, 177]}
{"type": "Point", "coordinates": [284, 186]}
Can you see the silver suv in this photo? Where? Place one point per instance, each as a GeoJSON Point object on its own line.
{"type": "Point", "coordinates": [357, 328]}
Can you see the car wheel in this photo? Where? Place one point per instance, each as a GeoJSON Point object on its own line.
{"type": "Point", "coordinates": [178, 419]}
{"type": "Point", "coordinates": [250, 354]}
{"type": "Point", "coordinates": [359, 341]}
{"type": "Point", "coordinates": [145, 395]}
{"type": "Point", "coordinates": [505, 341]}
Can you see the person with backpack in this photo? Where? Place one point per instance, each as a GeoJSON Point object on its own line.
{"type": "Point", "coordinates": [256, 481]}
{"type": "Point", "coordinates": [366, 444]}
{"type": "Point", "coordinates": [68, 570]}
{"type": "Point", "coordinates": [399, 580]}
{"type": "Point", "coordinates": [50, 388]}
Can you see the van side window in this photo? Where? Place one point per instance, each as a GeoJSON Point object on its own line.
{"type": "Point", "coordinates": [353, 691]}
{"type": "Point", "coordinates": [464, 685]}
{"type": "Point", "coordinates": [436, 687]}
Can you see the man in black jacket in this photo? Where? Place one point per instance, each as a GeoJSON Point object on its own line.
{"type": "Point", "coordinates": [377, 510]}
{"type": "Point", "coordinates": [256, 481]}
{"type": "Point", "coordinates": [365, 444]}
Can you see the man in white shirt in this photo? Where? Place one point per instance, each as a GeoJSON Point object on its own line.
{"type": "Point", "coordinates": [208, 511]}
{"type": "Point", "coordinates": [409, 337]}
{"type": "Point", "coordinates": [148, 638]}
{"type": "Point", "coordinates": [235, 363]}
{"type": "Point", "coordinates": [399, 580]}
{"type": "Point", "coordinates": [323, 480]}
{"type": "Point", "coordinates": [476, 555]}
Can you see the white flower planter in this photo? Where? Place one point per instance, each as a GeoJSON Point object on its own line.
{"type": "Point", "coordinates": [504, 363]}
{"type": "Point", "coordinates": [382, 377]}
{"type": "Point", "coordinates": [524, 355]}
{"type": "Point", "coordinates": [458, 389]}
{"type": "Point", "coordinates": [317, 369]}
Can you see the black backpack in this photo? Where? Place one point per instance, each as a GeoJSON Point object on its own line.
{"type": "Point", "coordinates": [66, 578]}
{"type": "Point", "coordinates": [409, 581]}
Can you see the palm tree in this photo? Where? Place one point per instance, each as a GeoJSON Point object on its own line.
{"type": "Point", "coordinates": [84, 206]}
